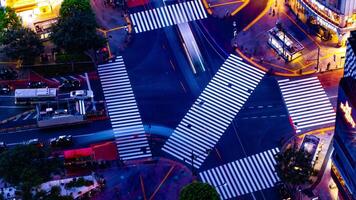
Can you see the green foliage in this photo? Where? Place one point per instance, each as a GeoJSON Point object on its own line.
{"type": "Point", "coordinates": [54, 194]}
{"type": "Point", "coordinates": [198, 191]}
{"type": "Point", "coordinates": [293, 166]}
{"type": "Point", "coordinates": [8, 20]}
{"type": "Point", "coordinates": [22, 43]}
{"type": "Point", "coordinates": [79, 183]}
{"type": "Point", "coordinates": [69, 6]}
{"type": "Point", "coordinates": [75, 31]}
{"type": "Point", "coordinates": [74, 57]}
{"type": "Point", "coordinates": [27, 166]}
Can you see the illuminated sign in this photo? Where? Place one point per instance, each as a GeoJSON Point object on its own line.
{"type": "Point", "coordinates": [347, 113]}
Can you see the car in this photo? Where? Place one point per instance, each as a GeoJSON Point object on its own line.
{"type": "Point", "coordinates": [8, 74]}
{"type": "Point", "coordinates": [35, 142]}
{"type": "Point", "coordinates": [61, 112]}
{"type": "Point", "coordinates": [3, 146]}
{"type": "Point", "coordinates": [5, 89]}
{"type": "Point", "coordinates": [62, 141]}
{"type": "Point", "coordinates": [81, 94]}
{"type": "Point", "coordinates": [37, 84]}
{"type": "Point", "coordinates": [68, 85]}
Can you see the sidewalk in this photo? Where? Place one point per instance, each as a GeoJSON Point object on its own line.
{"type": "Point", "coordinates": [252, 45]}
{"type": "Point", "coordinates": [322, 154]}
{"type": "Point", "coordinates": [113, 24]}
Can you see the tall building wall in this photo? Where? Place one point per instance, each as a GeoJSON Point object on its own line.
{"type": "Point", "coordinates": [350, 59]}
{"type": "Point", "coordinates": [344, 156]}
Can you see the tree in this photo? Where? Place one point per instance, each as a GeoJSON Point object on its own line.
{"type": "Point", "coordinates": [69, 6]}
{"type": "Point", "coordinates": [198, 191]}
{"type": "Point", "coordinates": [75, 31]}
{"type": "Point", "coordinates": [8, 20]}
{"type": "Point", "coordinates": [293, 166]}
{"type": "Point", "coordinates": [22, 43]}
{"type": "Point", "coordinates": [54, 194]}
{"type": "Point", "coordinates": [27, 166]}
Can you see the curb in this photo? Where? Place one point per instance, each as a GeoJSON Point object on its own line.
{"type": "Point", "coordinates": [129, 24]}
{"type": "Point", "coordinates": [238, 51]}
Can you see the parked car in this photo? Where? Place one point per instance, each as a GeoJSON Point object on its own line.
{"type": "Point", "coordinates": [37, 84]}
{"type": "Point", "coordinates": [69, 85]}
{"type": "Point", "coordinates": [62, 141]}
{"type": "Point", "coordinates": [5, 89]}
{"type": "Point", "coordinates": [8, 74]}
{"type": "Point", "coordinates": [81, 94]}
{"type": "Point", "coordinates": [35, 142]}
{"type": "Point", "coordinates": [3, 146]}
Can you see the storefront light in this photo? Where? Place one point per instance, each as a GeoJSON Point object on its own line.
{"type": "Point", "coordinates": [347, 110]}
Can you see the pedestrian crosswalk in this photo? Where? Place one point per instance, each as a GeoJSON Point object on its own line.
{"type": "Point", "coordinates": [168, 15]}
{"type": "Point", "coordinates": [307, 102]}
{"type": "Point", "coordinates": [80, 104]}
{"type": "Point", "coordinates": [250, 174]}
{"type": "Point", "coordinates": [125, 118]}
{"type": "Point", "coordinates": [60, 79]}
{"type": "Point", "coordinates": [213, 111]}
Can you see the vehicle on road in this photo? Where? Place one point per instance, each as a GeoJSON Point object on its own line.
{"type": "Point", "coordinates": [37, 84]}
{"type": "Point", "coordinates": [35, 95]}
{"type": "Point", "coordinates": [5, 89]}
{"type": "Point", "coordinates": [3, 146]}
{"type": "Point", "coordinates": [35, 142]}
{"type": "Point", "coordinates": [69, 85]}
{"type": "Point", "coordinates": [81, 94]}
{"type": "Point", "coordinates": [62, 141]}
{"type": "Point", "coordinates": [8, 74]}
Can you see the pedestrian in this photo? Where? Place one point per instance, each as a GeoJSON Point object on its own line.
{"type": "Point", "coordinates": [273, 12]}
{"type": "Point", "coordinates": [328, 66]}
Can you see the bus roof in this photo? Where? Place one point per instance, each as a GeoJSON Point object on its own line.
{"type": "Point", "coordinates": [37, 92]}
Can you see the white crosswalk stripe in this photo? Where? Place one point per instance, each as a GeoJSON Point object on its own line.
{"type": "Point", "coordinates": [81, 107]}
{"type": "Point", "coordinates": [125, 118]}
{"type": "Point", "coordinates": [243, 176]}
{"type": "Point", "coordinates": [167, 16]}
{"type": "Point", "coordinates": [307, 102]}
{"type": "Point", "coordinates": [213, 111]}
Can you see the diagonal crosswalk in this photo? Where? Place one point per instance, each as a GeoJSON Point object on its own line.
{"type": "Point", "coordinates": [250, 174]}
{"type": "Point", "coordinates": [123, 111]}
{"type": "Point", "coordinates": [213, 111]}
{"type": "Point", "coordinates": [307, 102]}
{"type": "Point", "coordinates": [167, 16]}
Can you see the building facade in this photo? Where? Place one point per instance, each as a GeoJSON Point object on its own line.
{"type": "Point", "coordinates": [335, 16]}
{"type": "Point", "coordinates": [344, 155]}
{"type": "Point", "coordinates": [350, 60]}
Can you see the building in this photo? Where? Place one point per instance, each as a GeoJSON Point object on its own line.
{"type": "Point", "coordinates": [337, 17]}
{"type": "Point", "coordinates": [344, 156]}
{"type": "Point", "coordinates": [350, 61]}
{"type": "Point", "coordinates": [284, 44]}
{"type": "Point", "coordinates": [38, 15]}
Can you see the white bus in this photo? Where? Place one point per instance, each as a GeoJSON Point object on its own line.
{"type": "Point", "coordinates": [37, 95]}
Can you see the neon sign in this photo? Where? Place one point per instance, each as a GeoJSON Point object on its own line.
{"type": "Point", "coordinates": [347, 113]}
